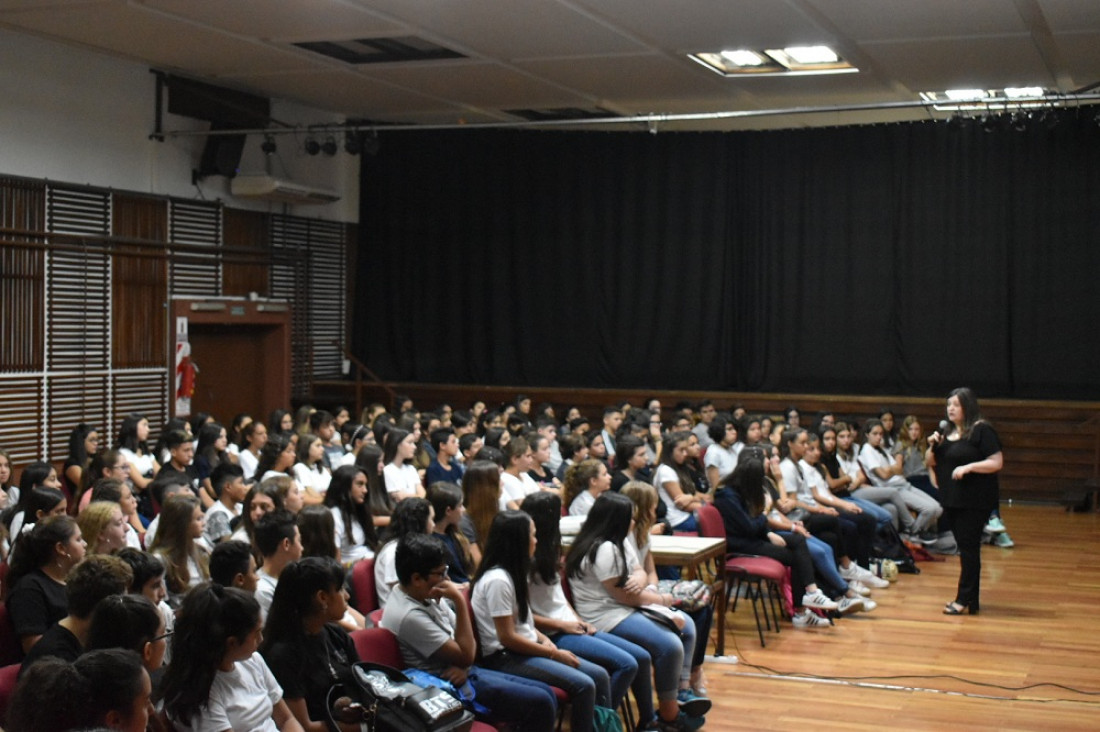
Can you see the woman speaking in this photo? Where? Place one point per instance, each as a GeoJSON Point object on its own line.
{"type": "Point", "coordinates": [966, 457]}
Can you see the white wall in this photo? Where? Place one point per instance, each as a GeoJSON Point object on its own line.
{"type": "Point", "coordinates": [76, 116]}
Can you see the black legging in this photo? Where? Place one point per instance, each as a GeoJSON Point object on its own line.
{"type": "Point", "coordinates": [795, 555]}
{"type": "Point", "coordinates": [967, 524]}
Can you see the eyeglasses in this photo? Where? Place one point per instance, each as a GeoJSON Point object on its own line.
{"type": "Point", "coordinates": [441, 572]}
{"type": "Point", "coordinates": [165, 636]}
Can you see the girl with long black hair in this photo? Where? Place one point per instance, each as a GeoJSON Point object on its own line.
{"type": "Point", "coordinates": [505, 624]}
{"type": "Point", "coordinates": [346, 499]}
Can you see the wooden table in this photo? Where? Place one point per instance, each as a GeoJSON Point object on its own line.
{"type": "Point", "coordinates": [691, 553]}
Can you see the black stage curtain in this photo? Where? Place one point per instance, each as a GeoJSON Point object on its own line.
{"type": "Point", "coordinates": [892, 259]}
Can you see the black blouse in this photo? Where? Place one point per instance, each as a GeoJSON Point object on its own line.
{"type": "Point", "coordinates": [975, 490]}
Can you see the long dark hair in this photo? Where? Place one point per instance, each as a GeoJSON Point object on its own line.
{"type": "Point", "coordinates": [123, 621]}
{"type": "Point", "coordinates": [507, 548]}
{"type": "Point", "coordinates": [747, 481]}
{"type": "Point", "coordinates": [338, 496]}
{"type": "Point", "coordinates": [410, 517]}
{"type": "Point", "coordinates": [78, 453]}
{"type": "Point", "coordinates": [35, 499]}
{"type": "Point", "coordinates": [544, 508]}
{"type": "Point", "coordinates": [36, 547]}
{"type": "Point", "coordinates": [93, 471]}
{"type": "Point", "coordinates": [128, 437]}
{"type": "Point", "coordinates": [609, 520]}
{"type": "Point", "coordinates": [972, 414]}
{"type": "Point", "coordinates": [394, 438]}
{"type": "Point", "coordinates": [293, 602]}
{"type": "Point", "coordinates": [276, 443]}
{"type": "Point", "coordinates": [317, 528]}
{"type": "Point", "coordinates": [378, 498]}
{"type": "Point", "coordinates": [209, 434]}
{"type": "Point", "coordinates": [445, 496]}
{"type": "Point", "coordinates": [33, 476]}
{"type": "Point", "coordinates": [209, 616]}
{"type": "Point", "coordinates": [687, 485]}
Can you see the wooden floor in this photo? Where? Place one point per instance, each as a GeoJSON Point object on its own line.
{"type": "Point", "coordinates": [921, 670]}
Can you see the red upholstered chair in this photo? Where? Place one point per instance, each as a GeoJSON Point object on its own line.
{"type": "Point", "coordinates": [8, 676]}
{"type": "Point", "coordinates": [365, 598]}
{"type": "Point", "coordinates": [748, 571]}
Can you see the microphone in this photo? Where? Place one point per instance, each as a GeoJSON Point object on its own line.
{"type": "Point", "coordinates": [942, 429]}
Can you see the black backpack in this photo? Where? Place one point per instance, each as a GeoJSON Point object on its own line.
{"type": "Point", "coordinates": [392, 703]}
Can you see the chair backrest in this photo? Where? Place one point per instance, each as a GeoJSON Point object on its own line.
{"type": "Point", "coordinates": [710, 522]}
{"type": "Point", "coordinates": [362, 582]}
{"type": "Point", "coordinates": [11, 649]}
{"type": "Point", "coordinates": [8, 677]}
{"type": "Point", "coordinates": [378, 645]}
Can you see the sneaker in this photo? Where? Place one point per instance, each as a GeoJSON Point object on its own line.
{"type": "Point", "coordinates": [818, 600]}
{"type": "Point", "coordinates": [1004, 540]}
{"type": "Point", "coordinates": [859, 588]}
{"type": "Point", "coordinates": [682, 723]}
{"type": "Point", "coordinates": [691, 705]}
{"type": "Point", "coordinates": [849, 605]}
{"type": "Point", "coordinates": [869, 578]}
{"type": "Point", "coordinates": [868, 604]}
{"type": "Point", "coordinates": [928, 537]}
{"type": "Point", "coordinates": [807, 619]}
{"type": "Point", "coordinates": [851, 572]}
{"type": "Point", "coordinates": [995, 525]}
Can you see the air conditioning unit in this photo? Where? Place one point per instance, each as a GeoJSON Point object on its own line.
{"type": "Point", "coordinates": [275, 189]}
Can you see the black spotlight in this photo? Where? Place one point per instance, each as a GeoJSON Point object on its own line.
{"type": "Point", "coordinates": [312, 146]}
{"type": "Point", "coordinates": [1020, 121]}
{"type": "Point", "coordinates": [1049, 119]}
{"type": "Point", "coordinates": [353, 142]}
{"type": "Point", "coordinates": [956, 122]}
{"type": "Point", "coordinates": [329, 147]}
{"type": "Point", "coordinates": [268, 145]}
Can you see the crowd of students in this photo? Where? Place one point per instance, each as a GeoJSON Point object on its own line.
{"type": "Point", "coordinates": [235, 544]}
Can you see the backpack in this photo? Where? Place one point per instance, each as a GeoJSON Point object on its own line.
{"type": "Point", "coordinates": [888, 545]}
{"type": "Point", "coordinates": [392, 703]}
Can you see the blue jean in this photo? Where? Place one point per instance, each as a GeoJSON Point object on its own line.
{"type": "Point", "coordinates": [613, 655]}
{"type": "Point", "coordinates": [825, 564]}
{"type": "Point", "coordinates": [513, 700]}
{"type": "Point", "coordinates": [671, 654]}
{"type": "Point", "coordinates": [577, 683]}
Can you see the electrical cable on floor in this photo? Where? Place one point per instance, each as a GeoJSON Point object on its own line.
{"type": "Point", "coordinates": [862, 682]}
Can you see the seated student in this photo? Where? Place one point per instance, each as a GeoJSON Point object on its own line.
{"type": "Point", "coordinates": [348, 500]}
{"type": "Point", "coordinates": [624, 665]}
{"type": "Point", "coordinates": [177, 544]}
{"type": "Point", "coordinates": [310, 471]}
{"type": "Point", "coordinates": [505, 624]}
{"type": "Point", "coordinates": [402, 479]}
{"type": "Point", "coordinates": [547, 427]}
{"type": "Point", "coordinates": [355, 437]}
{"type": "Point", "coordinates": [253, 439]}
{"type": "Point", "coordinates": [540, 457]}
{"type": "Point", "coordinates": [90, 581]}
{"type": "Point", "coordinates": [278, 541]}
{"type": "Point", "coordinates": [107, 688]}
{"type": "Point", "coordinates": [149, 583]}
{"type": "Point", "coordinates": [278, 456]}
{"type": "Point", "coordinates": [609, 585]}
{"type": "Point", "coordinates": [574, 448]}
{"type": "Point", "coordinates": [46, 553]}
{"type": "Point", "coordinates": [448, 512]}
{"type": "Point", "coordinates": [845, 476]}
{"type": "Point", "coordinates": [323, 424]}
{"type": "Point", "coordinates": [721, 457]}
{"type": "Point", "coordinates": [103, 527]}
{"type": "Point", "coordinates": [117, 491]}
{"type": "Point", "coordinates": [469, 444]}
{"type": "Point", "coordinates": [131, 622]}
{"type": "Point", "coordinates": [181, 451]}
{"type": "Point", "coordinates": [227, 481]}
{"type": "Point", "coordinates": [262, 499]}
{"type": "Point", "coordinates": [438, 637]}
{"type": "Point", "coordinates": [303, 644]}
{"type": "Point", "coordinates": [675, 484]}
{"type": "Point", "coordinates": [232, 564]}
{"type": "Point", "coordinates": [445, 467]}
{"type": "Point", "coordinates": [36, 502]}
{"type": "Point", "coordinates": [412, 516]}
{"type": "Point", "coordinates": [216, 680]}
{"type": "Point", "coordinates": [885, 473]}
{"type": "Point", "coordinates": [515, 483]}
{"type": "Point", "coordinates": [584, 482]}
{"type": "Point", "coordinates": [630, 462]}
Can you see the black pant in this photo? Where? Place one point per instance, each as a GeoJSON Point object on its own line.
{"type": "Point", "coordinates": [968, 523]}
{"type": "Point", "coordinates": [796, 556]}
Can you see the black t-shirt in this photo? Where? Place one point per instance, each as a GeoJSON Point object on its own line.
{"type": "Point", "coordinates": [308, 669]}
{"type": "Point", "coordinates": [58, 642]}
{"type": "Point", "coordinates": [188, 476]}
{"type": "Point", "coordinates": [975, 490]}
{"type": "Point", "coordinates": [36, 602]}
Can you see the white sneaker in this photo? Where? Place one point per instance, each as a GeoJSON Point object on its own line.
{"type": "Point", "coordinates": [849, 605]}
{"type": "Point", "coordinates": [868, 604]}
{"type": "Point", "coordinates": [851, 572]}
{"type": "Point", "coordinates": [818, 600]}
{"type": "Point", "coordinates": [995, 525]}
{"type": "Point", "coordinates": [859, 588]}
{"type": "Point", "coordinates": [870, 579]}
{"type": "Point", "coordinates": [807, 619]}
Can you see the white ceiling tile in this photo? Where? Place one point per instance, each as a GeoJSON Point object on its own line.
{"type": "Point", "coordinates": [983, 63]}
{"type": "Point", "coordinates": [1064, 16]}
{"type": "Point", "coordinates": [300, 20]}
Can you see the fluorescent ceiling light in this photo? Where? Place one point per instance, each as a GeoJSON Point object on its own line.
{"type": "Point", "coordinates": [959, 95]}
{"type": "Point", "coordinates": [812, 54]}
{"type": "Point", "coordinates": [744, 58]}
{"type": "Point", "coordinates": [1024, 91]}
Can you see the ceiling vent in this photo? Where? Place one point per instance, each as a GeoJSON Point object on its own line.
{"type": "Point", "coordinates": [269, 188]}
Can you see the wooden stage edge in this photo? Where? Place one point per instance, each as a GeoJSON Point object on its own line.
{"type": "Point", "coordinates": [906, 666]}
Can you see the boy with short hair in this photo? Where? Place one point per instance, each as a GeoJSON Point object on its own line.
{"type": "Point", "coordinates": [277, 538]}
{"type": "Point", "coordinates": [227, 479]}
